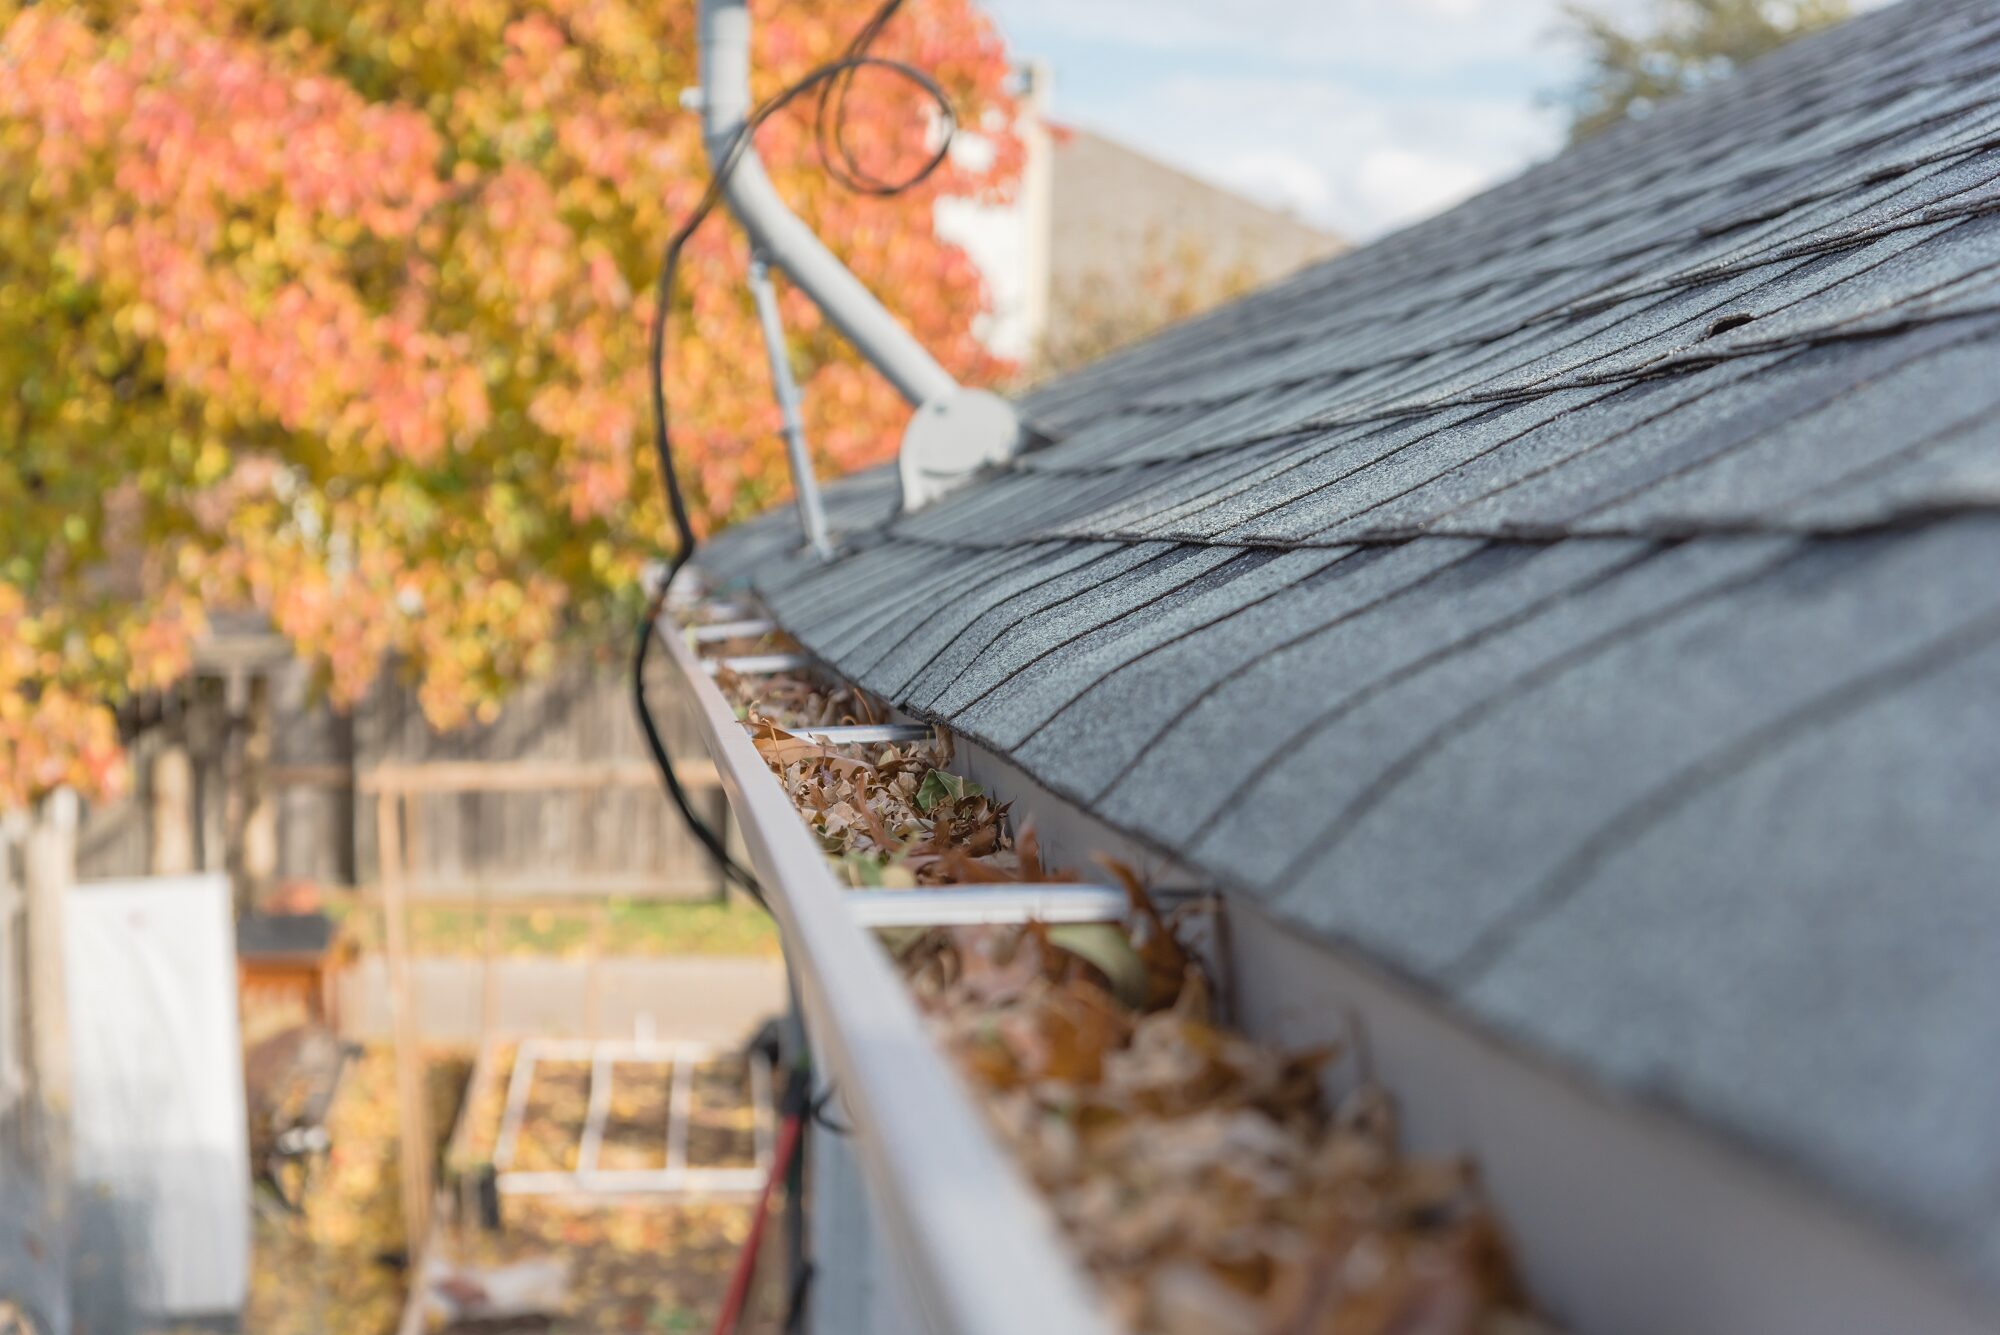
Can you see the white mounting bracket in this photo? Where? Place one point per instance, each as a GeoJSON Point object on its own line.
{"type": "Point", "coordinates": [948, 440]}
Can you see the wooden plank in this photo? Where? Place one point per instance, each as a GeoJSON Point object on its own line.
{"type": "Point", "coordinates": [489, 983]}
{"type": "Point", "coordinates": [593, 982]}
{"type": "Point", "coordinates": [170, 816]}
{"type": "Point", "coordinates": [525, 776]}
{"type": "Point", "coordinates": [309, 776]}
{"type": "Point", "coordinates": [595, 1115]}
{"type": "Point", "coordinates": [413, 845]}
{"type": "Point", "coordinates": [413, 1112]}
{"type": "Point", "coordinates": [556, 892]}
{"type": "Point", "coordinates": [428, 1260]}
{"type": "Point", "coordinates": [48, 872]}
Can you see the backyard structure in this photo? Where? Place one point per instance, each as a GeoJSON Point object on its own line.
{"type": "Point", "coordinates": [483, 892]}
{"type": "Point", "coordinates": [601, 1143]}
{"type": "Point", "coordinates": [124, 1175]}
{"type": "Point", "coordinates": [552, 797]}
{"type": "Point", "coordinates": [519, 923]}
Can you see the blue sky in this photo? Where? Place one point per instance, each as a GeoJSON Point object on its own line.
{"type": "Point", "coordinates": [1357, 114]}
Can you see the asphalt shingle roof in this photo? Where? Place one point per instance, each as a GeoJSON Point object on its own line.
{"type": "Point", "coordinates": [1586, 602]}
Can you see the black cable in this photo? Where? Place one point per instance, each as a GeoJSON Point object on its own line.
{"type": "Point", "coordinates": [833, 79]}
{"type": "Point", "coordinates": [663, 762]}
{"type": "Point", "coordinates": [795, 1303]}
{"type": "Point", "coordinates": [816, 1112]}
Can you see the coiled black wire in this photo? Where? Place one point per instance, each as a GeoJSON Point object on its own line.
{"type": "Point", "coordinates": [833, 80]}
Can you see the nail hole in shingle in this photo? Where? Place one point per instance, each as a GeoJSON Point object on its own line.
{"type": "Point", "coordinates": [1729, 322]}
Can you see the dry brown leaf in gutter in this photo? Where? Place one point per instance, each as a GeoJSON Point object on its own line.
{"type": "Point", "coordinates": [990, 965]}
{"type": "Point", "coordinates": [876, 828]}
{"type": "Point", "coordinates": [1167, 964]}
{"type": "Point", "coordinates": [1028, 853]}
{"type": "Point", "coordinates": [957, 866]}
{"type": "Point", "coordinates": [780, 748]}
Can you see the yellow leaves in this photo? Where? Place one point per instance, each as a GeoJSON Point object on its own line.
{"type": "Point", "coordinates": [211, 463]}
{"type": "Point", "coordinates": [319, 1274]}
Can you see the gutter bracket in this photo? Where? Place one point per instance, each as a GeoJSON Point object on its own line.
{"type": "Point", "coordinates": [955, 431]}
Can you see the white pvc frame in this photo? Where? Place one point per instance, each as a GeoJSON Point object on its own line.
{"type": "Point", "coordinates": [677, 1177]}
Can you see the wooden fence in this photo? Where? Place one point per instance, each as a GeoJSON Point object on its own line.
{"type": "Point", "coordinates": [244, 769]}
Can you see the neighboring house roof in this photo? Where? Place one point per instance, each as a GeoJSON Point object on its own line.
{"type": "Point", "coordinates": [1586, 602]}
{"type": "Point", "coordinates": [1116, 214]}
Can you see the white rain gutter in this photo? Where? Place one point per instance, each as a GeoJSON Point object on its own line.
{"type": "Point", "coordinates": [980, 1251]}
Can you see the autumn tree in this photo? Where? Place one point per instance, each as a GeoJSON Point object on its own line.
{"type": "Point", "coordinates": [339, 312]}
{"type": "Point", "coordinates": [1630, 69]}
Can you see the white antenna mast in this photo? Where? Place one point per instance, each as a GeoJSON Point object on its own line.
{"type": "Point", "coordinates": [955, 431]}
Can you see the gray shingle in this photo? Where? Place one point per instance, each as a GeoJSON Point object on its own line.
{"type": "Point", "coordinates": [1002, 617]}
{"type": "Point", "coordinates": [923, 632]}
{"type": "Point", "coordinates": [1096, 739]}
{"type": "Point", "coordinates": [1811, 993]}
{"type": "Point", "coordinates": [1559, 745]}
{"type": "Point", "coordinates": [1012, 713]}
{"type": "Point", "coordinates": [1041, 633]}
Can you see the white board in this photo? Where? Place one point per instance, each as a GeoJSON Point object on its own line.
{"type": "Point", "coordinates": [159, 1124]}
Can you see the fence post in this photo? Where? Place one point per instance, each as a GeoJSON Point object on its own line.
{"type": "Point", "coordinates": [412, 1098]}
{"type": "Point", "coordinates": [49, 869]}
{"type": "Point", "coordinates": [259, 834]}
{"type": "Point", "coordinates": [593, 980]}
{"type": "Point", "coordinates": [170, 815]}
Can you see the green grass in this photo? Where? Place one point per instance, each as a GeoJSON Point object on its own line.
{"type": "Point", "coordinates": [631, 927]}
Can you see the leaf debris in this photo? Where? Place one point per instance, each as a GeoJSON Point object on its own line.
{"type": "Point", "coordinates": [1208, 1181]}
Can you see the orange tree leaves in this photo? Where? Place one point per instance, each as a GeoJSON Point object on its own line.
{"type": "Point", "coordinates": [340, 311]}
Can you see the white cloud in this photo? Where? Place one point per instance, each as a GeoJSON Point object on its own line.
{"type": "Point", "coordinates": [1358, 114]}
{"type": "Point", "coordinates": [1284, 180]}
{"type": "Point", "coordinates": [1353, 161]}
{"type": "Point", "coordinates": [1400, 184]}
{"type": "Point", "coordinates": [1424, 35]}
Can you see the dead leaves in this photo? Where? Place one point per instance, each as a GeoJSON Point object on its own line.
{"type": "Point", "coordinates": [782, 749]}
{"type": "Point", "coordinates": [1165, 961]}
{"type": "Point", "coordinates": [1203, 1177]}
{"type": "Point", "coordinates": [892, 806]}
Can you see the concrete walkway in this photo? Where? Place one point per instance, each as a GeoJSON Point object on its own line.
{"type": "Point", "coordinates": [699, 998]}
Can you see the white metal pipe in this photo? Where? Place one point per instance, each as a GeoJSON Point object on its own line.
{"type": "Point", "coordinates": [865, 734]}
{"type": "Point", "coordinates": [596, 1113]}
{"type": "Point", "coordinates": [776, 231]}
{"type": "Point", "coordinates": [757, 665]}
{"type": "Point", "coordinates": [680, 1113]}
{"type": "Point", "coordinates": [974, 906]}
{"type": "Point", "coordinates": [812, 516]}
{"type": "Point", "coordinates": [732, 630]}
